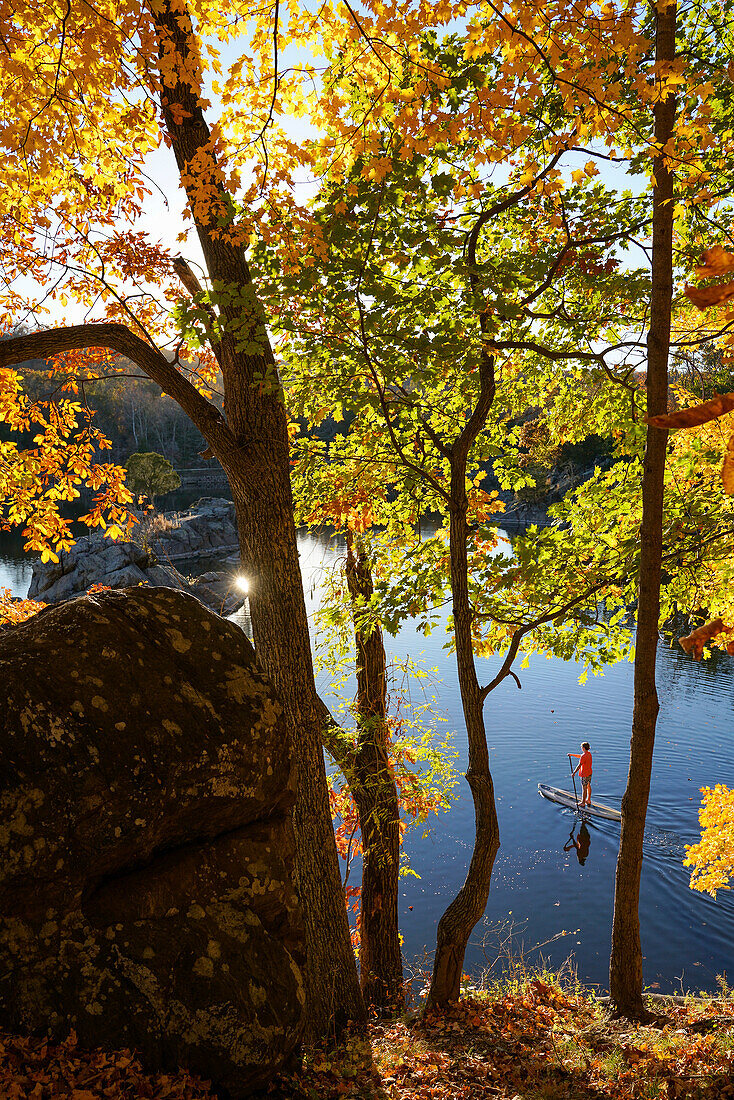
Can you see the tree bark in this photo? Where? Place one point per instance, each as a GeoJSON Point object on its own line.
{"type": "Point", "coordinates": [372, 783]}
{"type": "Point", "coordinates": [259, 475]}
{"type": "Point", "coordinates": [468, 906]}
{"type": "Point", "coordinates": [625, 972]}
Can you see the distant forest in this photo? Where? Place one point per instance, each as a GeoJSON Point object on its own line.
{"type": "Point", "coordinates": [132, 413]}
{"type": "Point", "coordinates": [136, 416]}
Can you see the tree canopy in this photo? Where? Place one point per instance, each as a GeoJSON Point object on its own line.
{"type": "Point", "coordinates": [151, 474]}
{"type": "Point", "coordinates": [455, 278]}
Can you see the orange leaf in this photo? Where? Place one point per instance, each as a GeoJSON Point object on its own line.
{"type": "Point", "coordinates": [727, 467]}
{"type": "Point", "coordinates": [706, 296]}
{"type": "Point", "coordinates": [715, 261]}
{"type": "Point", "coordinates": [694, 642]}
{"type": "Point", "coordinates": [699, 414]}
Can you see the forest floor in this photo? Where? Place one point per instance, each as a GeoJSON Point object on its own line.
{"type": "Point", "coordinates": [531, 1040]}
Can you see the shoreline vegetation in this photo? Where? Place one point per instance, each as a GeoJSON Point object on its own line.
{"type": "Point", "coordinates": [533, 1037]}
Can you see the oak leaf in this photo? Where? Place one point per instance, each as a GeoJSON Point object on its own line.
{"type": "Point", "coordinates": [694, 642]}
{"type": "Point", "coordinates": [706, 296]}
{"type": "Point", "coordinates": [715, 261]}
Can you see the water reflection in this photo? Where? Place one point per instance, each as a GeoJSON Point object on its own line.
{"type": "Point", "coordinates": [581, 843]}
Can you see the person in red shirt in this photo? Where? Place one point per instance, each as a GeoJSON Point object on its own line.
{"type": "Point", "coordinates": [584, 771]}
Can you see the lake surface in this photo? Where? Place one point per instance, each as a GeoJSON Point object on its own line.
{"type": "Point", "coordinates": [538, 889]}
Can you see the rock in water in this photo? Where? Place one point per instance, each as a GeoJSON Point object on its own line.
{"type": "Point", "coordinates": [208, 529]}
{"type": "Point", "coordinates": [145, 838]}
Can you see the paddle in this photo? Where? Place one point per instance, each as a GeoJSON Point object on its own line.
{"type": "Point", "coordinates": [573, 780]}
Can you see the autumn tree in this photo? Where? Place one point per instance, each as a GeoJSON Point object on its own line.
{"type": "Point", "coordinates": [703, 452]}
{"type": "Point", "coordinates": [426, 330]}
{"type": "Point", "coordinates": [90, 91]}
{"type": "Point", "coordinates": [690, 183]}
{"type": "Point", "coordinates": [442, 292]}
{"type": "Point", "coordinates": [625, 978]}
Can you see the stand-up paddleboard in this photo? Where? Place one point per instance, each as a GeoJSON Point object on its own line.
{"type": "Point", "coordinates": [565, 798]}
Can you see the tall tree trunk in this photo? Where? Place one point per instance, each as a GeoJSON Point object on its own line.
{"type": "Point", "coordinates": [457, 923]}
{"type": "Point", "coordinates": [259, 476]}
{"type": "Point", "coordinates": [468, 906]}
{"type": "Point", "coordinates": [373, 788]}
{"type": "Point", "coordinates": [625, 973]}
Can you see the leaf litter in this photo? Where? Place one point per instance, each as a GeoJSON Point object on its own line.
{"type": "Point", "coordinates": [528, 1040]}
{"type": "Point", "coordinates": [37, 1069]}
{"type": "Point", "coordinates": [533, 1040]}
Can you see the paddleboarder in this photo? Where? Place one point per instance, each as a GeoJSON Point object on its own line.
{"type": "Point", "coordinates": [584, 771]}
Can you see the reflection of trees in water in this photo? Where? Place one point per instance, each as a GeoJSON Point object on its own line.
{"type": "Point", "coordinates": [11, 547]}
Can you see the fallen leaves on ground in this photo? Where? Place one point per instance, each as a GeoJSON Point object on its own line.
{"type": "Point", "coordinates": [533, 1040]}
{"type": "Point", "coordinates": [536, 1042]}
{"type": "Point", "coordinates": [35, 1069]}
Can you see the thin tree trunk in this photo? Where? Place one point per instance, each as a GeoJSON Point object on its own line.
{"type": "Point", "coordinates": [625, 972]}
{"type": "Point", "coordinates": [373, 788]}
{"type": "Point", "coordinates": [467, 908]}
{"type": "Point", "coordinates": [261, 489]}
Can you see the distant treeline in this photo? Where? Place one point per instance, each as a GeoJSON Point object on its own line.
{"type": "Point", "coordinates": [131, 412]}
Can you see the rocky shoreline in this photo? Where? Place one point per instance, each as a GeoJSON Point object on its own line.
{"type": "Point", "coordinates": [207, 529]}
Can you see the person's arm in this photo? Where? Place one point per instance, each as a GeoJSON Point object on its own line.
{"type": "Point", "coordinates": [577, 756]}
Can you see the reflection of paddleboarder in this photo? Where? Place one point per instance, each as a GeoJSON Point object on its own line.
{"type": "Point", "coordinates": [581, 844]}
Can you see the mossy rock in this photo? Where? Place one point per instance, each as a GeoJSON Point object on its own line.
{"type": "Point", "coordinates": [146, 844]}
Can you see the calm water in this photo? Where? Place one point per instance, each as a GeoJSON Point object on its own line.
{"type": "Point", "coordinates": [539, 890]}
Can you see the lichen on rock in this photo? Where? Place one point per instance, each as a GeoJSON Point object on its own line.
{"type": "Point", "coordinates": [145, 885]}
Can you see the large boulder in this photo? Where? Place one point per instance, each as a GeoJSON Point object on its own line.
{"type": "Point", "coordinates": [146, 844]}
{"type": "Point", "coordinates": [90, 560]}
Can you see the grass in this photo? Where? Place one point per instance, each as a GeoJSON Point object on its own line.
{"type": "Point", "coordinates": [533, 1038]}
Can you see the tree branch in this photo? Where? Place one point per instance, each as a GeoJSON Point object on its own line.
{"type": "Point", "coordinates": [46, 343]}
